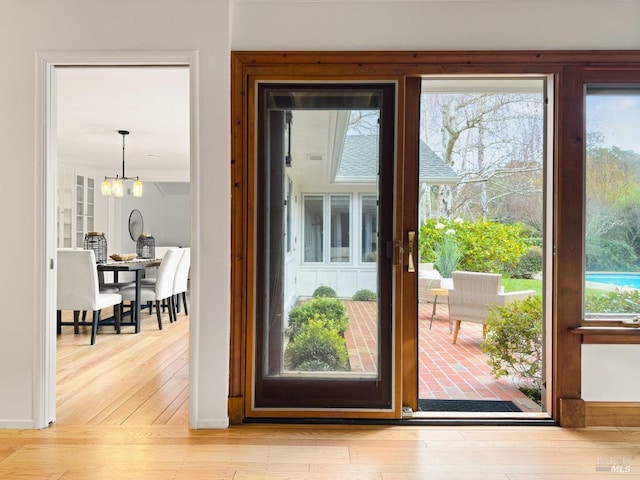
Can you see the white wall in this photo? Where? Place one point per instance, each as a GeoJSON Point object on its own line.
{"type": "Point", "coordinates": [29, 27]}
{"type": "Point", "coordinates": [166, 217]}
{"type": "Point", "coordinates": [610, 373]}
{"type": "Point", "coordinates": [435, 25]}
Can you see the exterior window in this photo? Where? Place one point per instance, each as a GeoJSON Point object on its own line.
{"type": "Point", "coordinates": [369, 229]}
{"type": "Point", "coordinates": [612, 202]}
{"type": "Point", "coordinates": [340, 227]}
{"type": "Point", "coordinates": [313, 228]}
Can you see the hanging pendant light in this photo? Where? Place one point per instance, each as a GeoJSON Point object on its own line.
{"type": "Point", "coordinates": [115, 185]}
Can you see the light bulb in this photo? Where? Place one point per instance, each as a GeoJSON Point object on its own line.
{"type": "Point", "coordinates": [118, 188]}
{"type": "Point", "coordinates": [105, 187]}
{"type": "Point", "coordinates": [137, 188]}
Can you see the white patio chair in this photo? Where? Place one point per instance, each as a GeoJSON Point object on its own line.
{"type": "Point", "coordinates": [428, 279]}
{"type": "Point", "coordinates": [472, 295]}
{"type": "Point", "coordinates": [78, 290]}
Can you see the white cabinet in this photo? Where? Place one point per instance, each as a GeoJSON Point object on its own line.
{"type": "Point", "coordinates": [76, 197]}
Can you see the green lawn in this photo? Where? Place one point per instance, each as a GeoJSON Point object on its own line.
{"type": "Point", "coordinates": [516, 284]}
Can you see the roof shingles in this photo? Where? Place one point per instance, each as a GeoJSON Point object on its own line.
{"type": "Point", "coordinates": [360, 153]}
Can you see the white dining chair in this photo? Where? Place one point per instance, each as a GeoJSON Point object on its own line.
{"type": "Point", "coordinates": [181, 281]}
{"type": "Point", "coordinates": [79, 290]}
{"type": "Point", "coordinates": [163, 288]}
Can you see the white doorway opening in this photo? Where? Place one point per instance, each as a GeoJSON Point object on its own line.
{"type": "Point", "coordinates": [47, 168]}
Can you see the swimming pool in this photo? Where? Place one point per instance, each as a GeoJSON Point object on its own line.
{"type": "Point", "coordinates": [629, 280]}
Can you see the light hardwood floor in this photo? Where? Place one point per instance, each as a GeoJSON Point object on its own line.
{"type": "Point", "coordinates": [126, 379]}
{"type": "Point", "coordinates": [122, 408]}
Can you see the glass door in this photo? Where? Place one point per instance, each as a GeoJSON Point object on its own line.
{"type": "Point", "coordinates": [324, 252]}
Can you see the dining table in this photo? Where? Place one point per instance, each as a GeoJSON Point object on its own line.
{"type": "Point", "coordinates": [138, 267]}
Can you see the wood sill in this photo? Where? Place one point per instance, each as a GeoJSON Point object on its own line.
{"type": "Point", "coordinates": [609, 334]}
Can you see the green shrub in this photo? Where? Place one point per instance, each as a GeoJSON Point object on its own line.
{"type": "Point", "coordinates": [314, 366]}
{"type": "Point", "coordinates": [617, 301]}
{"type": "Point", "coordinates": [365, 295]}
{"type": "Point", "coordinates": [317, 346]}
{"type": "Point", "coordinates": [329, 309]}
{"type": "Point", "coordinates": [514, 342]}
{"type": "Point", "coordinates": [325, 291]}
{"type": "Point", "coordinates": [486, 246]}
{"type": "Point", "coordinates": [530, 264]}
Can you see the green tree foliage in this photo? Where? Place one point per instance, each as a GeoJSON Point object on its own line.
{"type": "Point", "coordinates": [530, 263]}
{"type": "Point", "coordinates": [612, 214]}
{"type": "Point", "coordinates": [610, 255]}
{"type": "Point", "coordinates": [486, 246]}
{"type": "Point", "coordinates": [513, 343]}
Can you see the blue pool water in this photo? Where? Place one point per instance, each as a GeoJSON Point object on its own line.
{"type": "Point", "coordinates": [629, 280]}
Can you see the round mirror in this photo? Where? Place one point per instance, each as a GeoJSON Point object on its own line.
{"type": "Point", "coordinates": [136, 224]}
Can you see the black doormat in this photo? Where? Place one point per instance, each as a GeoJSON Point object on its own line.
{"type": "Point", "coordinates": [467, 406]}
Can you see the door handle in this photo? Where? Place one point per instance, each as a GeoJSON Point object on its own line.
{"type": "Point", "coordinates": [411, 240]}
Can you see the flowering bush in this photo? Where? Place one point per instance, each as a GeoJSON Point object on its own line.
{"type": "Point", "coordinates": [485, 246]}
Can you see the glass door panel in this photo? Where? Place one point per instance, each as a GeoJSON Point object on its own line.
{"type": "Point", "coordinates": [324, 208]}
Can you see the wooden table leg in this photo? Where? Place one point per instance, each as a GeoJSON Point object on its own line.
{"type": "Point", "coordinates": [433, 312]}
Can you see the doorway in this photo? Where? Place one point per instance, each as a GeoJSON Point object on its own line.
{"type": "Point", "coordinates": [165, 181]}
{"type": "Point", "coordinates": [307, 222]}
{"type": "Point", "coordinates": [481, 215]}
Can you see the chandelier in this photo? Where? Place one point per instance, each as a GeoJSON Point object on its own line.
{"type": "Point", "coordinates": [115, 184]}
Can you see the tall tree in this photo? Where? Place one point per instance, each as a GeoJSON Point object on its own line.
{"type": "Point", "coordinates": [494, 142]}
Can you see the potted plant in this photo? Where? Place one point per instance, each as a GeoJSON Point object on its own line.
{"type": "Point", "coordinates": [447, 257]}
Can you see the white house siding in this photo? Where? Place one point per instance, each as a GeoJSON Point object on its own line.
{"type": "Point", "coordinates": [345, 281]}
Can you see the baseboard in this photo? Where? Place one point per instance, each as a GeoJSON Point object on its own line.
{"type": "Point", "coordinates": [572, 414]}
{"type": "Point", "coordinates": [212, 424]}
{"type": "Point", "coordinates": [235, 410]}
{"type": "Point", "coordinates": [612, 414]}
{"type": "Point", "coordinates": [17, 424]}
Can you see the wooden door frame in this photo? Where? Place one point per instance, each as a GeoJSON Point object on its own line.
{"type": "Point", "coordinates": [565, 67]}
{"type": "Point", "coordinates": [272, 392]}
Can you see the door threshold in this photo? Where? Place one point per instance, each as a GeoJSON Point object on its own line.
{"type": "Point", "coordinates": [420, 419]}
{"type": "Point", "coordinates": [477, 418]}
{"type": "Point", "coordinates": [477, 415]}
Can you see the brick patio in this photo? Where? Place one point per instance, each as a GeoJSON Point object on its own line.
{"type": "Point", "coordinates": [446, 371]}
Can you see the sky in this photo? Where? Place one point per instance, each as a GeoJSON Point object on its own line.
{"type": "Point", "coordinates": [617, 117]}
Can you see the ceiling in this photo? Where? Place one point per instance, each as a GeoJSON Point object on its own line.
{"type": "Point", "coordinates": [152, 103]}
